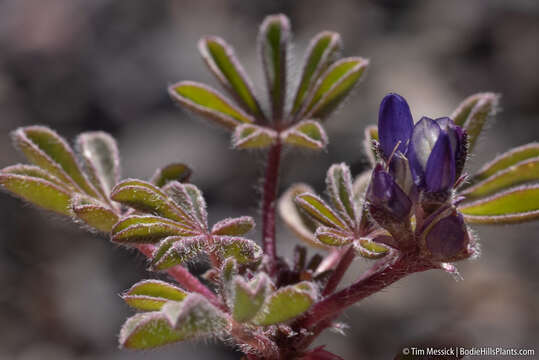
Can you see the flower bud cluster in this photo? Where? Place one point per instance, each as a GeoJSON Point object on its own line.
{"type": "Point", "coordinates": [410, 193]}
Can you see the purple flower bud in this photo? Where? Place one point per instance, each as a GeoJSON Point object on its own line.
{"type": "Point", "coordinates": [395, 124]}
{"type": "Point", "coordinates": [457, 137]}
{"type": "Point", "coordinates": [385, 195]}
{"type": "Point", "coordinates": [446, 238]}
{"type": "Point", "coordinates": [431, 157]}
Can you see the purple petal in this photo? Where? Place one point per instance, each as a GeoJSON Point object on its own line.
{"type": "Point", "coordinates": [424, 136]}
{"type": "Point", "coordinates": [457, 137]}
{"type": "Point", "coordinates": [385, 194]}
{"type": "Point", "coordinates": [395, 124]}
{"type": "Point", "coordinates": [440, 170]}
{"type": "Point", "coordinates": [448, 238]}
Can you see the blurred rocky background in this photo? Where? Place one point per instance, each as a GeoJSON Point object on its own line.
{"type": "Point", "coordinates": [78, 65]}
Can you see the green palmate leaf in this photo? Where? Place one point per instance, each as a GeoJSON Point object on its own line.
{"type": "Point", "coordinates": [249, 297]}
{"type": "Point", "coordinates": [183, 249]}
{"type": "Point", "coordinates": [333, 86]}
{"type": "Point", "coordinates": [370, 249]}
{"type": "Point", "coordinates": [46, 149]}
{"type": "Point", "coordinates": [506, 160]}
{"type": "Point", "coordinates": [514, 205]}
{"type": "Point", "coordinates": [319, 210]}
{"type": "Point", "coordinates": [274, 41]}
{"type": "Point", "coordinates": [101, 160]}
{"type": "Point", "coordinates": [244, 251]}
{"type": "Point", "coordinates": [193, 318]}
{"type": "Point", "coordinates": [220, 58]}
{"type": "Point", "coordinates": [39, 192]}
{"type": "Point", "coordinates": [522, 172]}
{"type": "Point", "coordinates": [95, 214]}
{"type": "Point", "coordinates": [286, 304]}
{"type": "Point", "coordinates": [146, 197]}
{"type": "Point", "coordinates": [35, 172]}
{"type": "Point", "coordinates": [333, 237]}
{"type": "Point", "coordinates": [253, 137]}
{"type": "Point", "coordinates": [234, 226]}
{"type": "Point", "coordinates": [473, 113]}
{"type": "Point", "coordinates": [151, 295]}
{"type": "Point", "coordinates": [339, 188]}
{"type": "Point", "coordinates": [295, 218]}
{"type": "Point", "coordinates": [208, 102]}
{"type": "Point", "coordinates": [371, 135]}
{"type": "Point", "coordinates": [172, 172]}
{"type": "Point", "coordinates": [322, 51]}
{"type": "Point", "coordinates": [307, 134]}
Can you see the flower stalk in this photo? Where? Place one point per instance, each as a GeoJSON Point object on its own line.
{"type": "Point", "coordinates": [269, 197]}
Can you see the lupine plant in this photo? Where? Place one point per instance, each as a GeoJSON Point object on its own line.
{"type": "Point", "coordinates": [410, 212]}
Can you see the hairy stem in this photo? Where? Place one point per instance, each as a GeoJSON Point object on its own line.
{"type": "Point", "coordinates": [383, 274]}
{"type": "Point", "coordinates": [185, 278]}
{"type": "Point", "coordinates": [268, 203]}
{"type": "Point", "coordinates": [343, 264]}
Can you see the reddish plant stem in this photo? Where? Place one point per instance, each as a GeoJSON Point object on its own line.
{"type": "Point", "coordinates": [268, 203]}
{"type": "Point", "coordinates": [371, 282]}
{"type": "Point", "coordinates": [343, 264]}
{"type": "Point", "coordinates": [185, 278]}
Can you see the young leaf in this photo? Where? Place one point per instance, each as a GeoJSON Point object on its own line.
{"type": "Point", "coordinates": [46, 149]}
{"type": "Point", "coordinates": [148, 233]}
{"type": "Point", "coordinates": [172, 172]}
{"type": "Point", "coordinates": [150, 330]}
{"type": "Point", "coordinates": [512, 206]}
{"type": "Point", "coordinates": [333, 86]}
{"type": "Point", "coordinates": [252, 137]}
{"type": "Point", "coordinates": [38, 191]}
{"type": "Point", "coordinates": [195, 314]}
{"type": "Point", "coordinates": [162, 248]}
{"type": "Point", "coordinates": [34, 171]}
{"type": "Point", "coordinates": [208, 102]}
{"type": "Point", "coordinates": [94, 214]}
{"type": "Point", "coordinates": [182, 250]}
{"type": "Point", "coordinates": [192, 318]}
{"type": "Point", "coordinates": [319, 210]}
{"type": "Point", "coordinates": [249, 298]}
{"type": "Point", "coordinates": [333, 237]}
{"type": "Point", "coordinates": [339, 187]}
{"type": "Point", "coordinates": [519, 173]}
{"type": "Point", "coordinates": [234, 226]}
{"type": "Point", "coordinates": [151, 295]}
{"type": "Point", "coordinates": [321, 52]}
{"type": "Point", "coordinates": [274, 41]}
{"type": "Point", "coordinates": [295, 218]}
{"type": "Point", "coordinates": [220, 58]}
{"type": "Point", "coordinates": [244, 251]}
{"type": "Point", "coordinates": [146, 197]}
{"type": "Point", "coordinates": [371, 135]}
{"type": "Point", "coordinates": [101, 160]}
{"type": "Point", "coordinates": [286, 303]}
{"type": "Point", "coordinates": [506, 160]}
{"type": "Point", "coordinates": [370, 249]}
{"type": "Point", "coordinates": [473, 113]}
{"type": "Point", "coordinates": [307, 134]}
{"type": "Point", "coordinates": [199, 204]}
